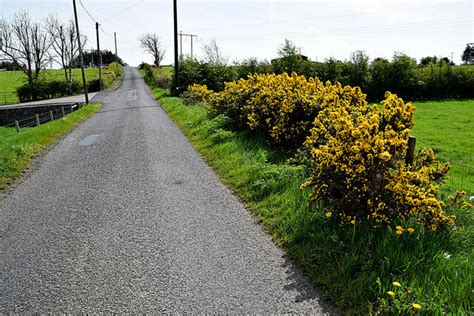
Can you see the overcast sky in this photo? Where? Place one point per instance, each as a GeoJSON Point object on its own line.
{"type": "Point", "coordinates": [256, 28]}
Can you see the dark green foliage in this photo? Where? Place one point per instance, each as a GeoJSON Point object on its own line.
{"type": "Point", "coordinates": [468, 54]}
{"type": "Point", "coordinates": [213, 75]}
{"type": "Point", "coordinates": [289, 60]}
{"type": "Point", "coordinates": [46, 90]}
{"type": "Point", "coordinates": [91, 58]}
{"type": "Point", "coordinates": [434, 78]}
{"type": "Point", "coordinates": [252, 66]}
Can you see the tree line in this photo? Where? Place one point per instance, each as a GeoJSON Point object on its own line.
{"type": "Point", "coordinates": [28, 46]}
{"type": "Point", "coordinates": [431, 78]}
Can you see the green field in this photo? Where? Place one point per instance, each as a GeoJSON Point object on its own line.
{"type": "Point", "coordinates": [448, 127]}
{"type": "Point", "coordinates": [11, 80]}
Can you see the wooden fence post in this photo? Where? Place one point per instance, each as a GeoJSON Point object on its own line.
{"type": "Point", "coordinates": [62, 111]}
{"type": "Point", "coordinates": [37, 120]}
{"type": "Point", "coordinates": [51, 116]}
{"type": "Point", "coordinates": [410, 150]}
{"type": "Point", "coordinates": [17, 127]}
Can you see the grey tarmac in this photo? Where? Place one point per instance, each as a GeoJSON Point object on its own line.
{"type": "Point", "coordinates": [124, 216]}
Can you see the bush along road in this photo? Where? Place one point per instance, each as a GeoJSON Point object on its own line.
{"type": "Point", "coordinates": [123, 215]}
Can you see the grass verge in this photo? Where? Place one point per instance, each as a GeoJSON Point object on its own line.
{"type": "Point", "coordinates": [18, 151]}
{"type": "Point", "coordinates": [355, 267]}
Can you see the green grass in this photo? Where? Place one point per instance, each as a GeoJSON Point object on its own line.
{"type": "Point", "coordinates": [168, 70]}
{"type": "Point", "coordinates": [18, 151]}
{"type": "Point", "coordinates": [11, 80]}
{"type": "Point", "coordinates": [346, 263]}
{"type": "Point", "coordinates": [448, 127]}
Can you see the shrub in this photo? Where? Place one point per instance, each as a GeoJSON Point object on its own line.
{"type": "Point", "coordinates": [94, 85]}
{"type": "Point", "coordinates": [356, 163]}
{"type": "Point", "coordinates": [282, 107]}
{"type": "Point", "coordinates": [44, 90]}
{"type": "Point", "coordinates": [162, 79]}
{"type": "Point", "coordinates": [212, 75]}
{"type": "Point", "coordinates": [354, 152]}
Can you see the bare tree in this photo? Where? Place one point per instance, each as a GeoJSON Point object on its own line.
{"type": "Point", "coordinates": [64, 44]}
{"type": "Point", "coordinates": [25, 43]}
{"type": "Point", "coordinates": [151, 43]}
{"type": "Point", "coordinates": [213, 54]}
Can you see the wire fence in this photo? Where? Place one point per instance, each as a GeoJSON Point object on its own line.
{"type": "Point", "coordinates": [15, 128]}
{"type": "Point", "coordinates": [461, 175]}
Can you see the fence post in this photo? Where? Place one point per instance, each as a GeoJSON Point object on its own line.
{"type": "Point", "coordinates": [62, 111]}
{"type": "Point", "coordinates": [51, 116]}
{"type": "Point", "coordinates": [37, 120]}
{"type": "Point", "coordinates": [17, 127]}
{"type": "Point", "coordinates": [410, 150]}
{"type": "Point", "coordinates": [70, 109]}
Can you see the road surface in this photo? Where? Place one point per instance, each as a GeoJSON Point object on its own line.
{"type": "Point", "coordinates": [123, 215]}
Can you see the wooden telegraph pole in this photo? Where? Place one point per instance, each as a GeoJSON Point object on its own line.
{"type": "Point", "coordinates": [99, 62]}
{"type": "Point", "coordinates": [115, 39]}
{"type": "Point", "coordinates": [81, 56]}
{"type": "Point", "coordinates": [176, 59]}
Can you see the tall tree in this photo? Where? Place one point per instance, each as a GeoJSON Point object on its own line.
{"type": "Point", "coordinates": [289, 58]}
{"type": "Point", "coordinates": [150, 42]}
{"type": "Point", "coordinates": [25, 43]}
{"type": "Point", "coordinates": [468, 54]}
{"type": "Point", "coordinates": [64, 43]}
{"type": "Point", "coordinates": [213, 54]}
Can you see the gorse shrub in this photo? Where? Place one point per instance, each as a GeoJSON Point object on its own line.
{"type": "Point", "coordinates": [281, 107]}
{"type": "Point", "coordinates": [354, 152]}
{"type": "Point", "coordinates": [356, 158]}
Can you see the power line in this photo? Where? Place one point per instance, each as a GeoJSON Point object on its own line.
{"type": "Point", "coordinates": [123, 11]}
{"type": "Point", "coordinates": [363, 29]}
{"type": "Point", "coordinates": [87, 11]}
{"type": "Point", "coordinates": [325, 17]}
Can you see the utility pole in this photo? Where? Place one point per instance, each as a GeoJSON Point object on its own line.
{"type": "Point", "coordinates": [115, 39]}
{"type": "Point", "coordinates": [100, 55]}
{"type": "Point", "coordinates": [180, 44]}
{"type": "Point", "coordinates": [176, 61]}
{"type": "Point", "coordinates": [80, 52]}
{"type": "Point", "coordinates": [181, 34]}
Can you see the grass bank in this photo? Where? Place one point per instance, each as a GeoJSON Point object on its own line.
{"type": "Point", "coordinates": [355, 267]}
{"type": "Point", "coordinates": [18, 151]}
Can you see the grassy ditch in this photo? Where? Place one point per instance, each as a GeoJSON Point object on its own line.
{"type": "Point", "coordinates": [355, 267]}
{"type": "Point", "coordinates": [18, 151]}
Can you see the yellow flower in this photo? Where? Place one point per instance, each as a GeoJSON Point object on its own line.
{"type": "Point", "coordinates": [410, 230]}
{"type": "Point", "coordinates": [399, 228]}
{"type": "Point", "coordinates": [399, 232]}
{"type": "Point", "coordinates": [397, 284]}
{"type": "Point", "coordinates": [328, 214]}
{"type": "Point", "coordinates": [385, 156]}
{"type": "Point", "coordinates": [416, 306]}
{"type": "Point", "coordinates": [353, 222]}
{"type": "Point", "coordinates": [391, 293]}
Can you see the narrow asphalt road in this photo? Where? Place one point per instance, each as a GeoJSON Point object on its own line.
{"type": "Point", "coordinates": [123, 215]}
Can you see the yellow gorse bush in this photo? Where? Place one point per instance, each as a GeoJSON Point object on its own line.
{"type": "Point", "coordinates": [357, 165]}
{"type": "Point", "coordinates": [280, 106]}
{"type": "Point", "coordinates": [354, 152]}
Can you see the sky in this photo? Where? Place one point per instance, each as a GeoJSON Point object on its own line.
{"type": "Point", "coordinates": [256, 28]}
